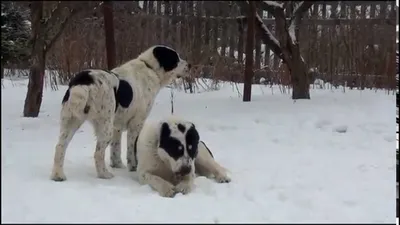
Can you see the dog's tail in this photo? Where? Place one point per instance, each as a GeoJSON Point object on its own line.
{"type": "Point", "coordinates": [75, 101]}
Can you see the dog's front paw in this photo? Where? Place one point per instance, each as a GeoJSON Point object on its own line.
{"type": "Point", "coordinates": [168, 192]}
{"type": "Point", "coordinates": [118, 165]}
{"type": "Point", "coordinates": [58, 176]}
{"type": "Point", "coordinates": [131, 167]}
{"type": "Point", "coordinates": [183, 187]}
{"type": "Point", "coordinates": [223, 179]}
{"type": "Point", "coordinates": [105, 175]}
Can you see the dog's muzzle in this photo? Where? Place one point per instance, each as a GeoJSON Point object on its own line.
{"type": "Point", "coordinates": [189, 66]}
{"type": "Point", "coordinates": [184, 170]}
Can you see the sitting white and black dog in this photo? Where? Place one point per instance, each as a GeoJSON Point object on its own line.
{"type": "Point", "coordinates": [170, 155]}
{"type": "Point", "coordinates": [113, 102]}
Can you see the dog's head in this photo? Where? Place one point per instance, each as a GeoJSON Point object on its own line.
{"type": "Point", "coordinates": [166, 62]}
{"type": "Point", "coordinates": [178, 145]}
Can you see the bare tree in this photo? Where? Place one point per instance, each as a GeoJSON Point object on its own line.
{"type": "Point", "coordinates": [48, 21]}
{"type": "Point", "coordinates": [33, 98]}
{"type": "Point", "coordinates": [248, 75]}
{"type": "Point", "coordinates": [285, 44]}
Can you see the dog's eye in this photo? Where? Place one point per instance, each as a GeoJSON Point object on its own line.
{"type": "Point", "coordinates": [190, 147]}
{"type": "Point", "coordinates": [180, 148]}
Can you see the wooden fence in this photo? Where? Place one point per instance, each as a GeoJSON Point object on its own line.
{"type": "Point", "coordinates": [355, 38]}
{"type": "Point", "coordinates": [204, 30]}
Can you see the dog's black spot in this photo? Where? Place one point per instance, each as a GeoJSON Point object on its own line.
{"type": "Point", "coordinates": [124, 94]}
{"type": "Point", "coordinates": [135, 150]}
{"type": "Point", "coordinates": [181, 128]}
{"type": "Point", "coordinates": [166, 57]}
{"type": "Point", "coordinates": [86, 109]}
{"type": "Point", "coordinates": [171, 145]}
{"type": "Point", "coordinates": [81, 78]}
{"type": "Point", "coordinates": [207, 148]}
{"type": "Point", "coordinates": [66, 96]}
{"type": "Point", "coordinates": [192, 139]}
{"type": "Point", "coordinates": [116, 99]}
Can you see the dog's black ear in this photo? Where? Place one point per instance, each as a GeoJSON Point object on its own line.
{"type": "Point", "coordinates": [164, 133]}
{"type": "Point", "coordinates": [192, 139]}
{"type": "Point", "coordinates": [166, 57]}
{"type": "Point", "coordinates": [192, 134]}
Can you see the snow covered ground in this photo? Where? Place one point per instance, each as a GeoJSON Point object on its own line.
{"type": "Point", "coordinates": [329, 159]}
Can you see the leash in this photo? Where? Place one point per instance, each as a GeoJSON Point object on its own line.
{"type": "Point", "coordinates": [172, 100]}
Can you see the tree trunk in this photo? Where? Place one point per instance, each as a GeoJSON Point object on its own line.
{"type": "Point", "coordinates": [109, 33]}
{"type": "Point", "coordinates": [301, 86]}
{"type": "Point", "coordinates": [34, 94]}
{"type": "Point", "coordinates": [294, 62]}
{"type": "Point", "coordinates": [248, 73]}
{"type": "Point", "coordinates": [299, 76]}
{"type": "Point", "coordinates": [2, 70]}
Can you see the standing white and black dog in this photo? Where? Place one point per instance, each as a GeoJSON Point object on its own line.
{"type": "Point", "coordinates": [170, 155]}
{"type": "Point", "coordinates": [113, 102]}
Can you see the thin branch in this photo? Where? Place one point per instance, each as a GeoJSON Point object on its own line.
{"type": "Point", "coordinates": [54, 12]}
{"type": "Point", "coordinates": [52, 37]}
{"type": "Point", "coordinates": [50, 41]}
{"type": "Point", "coordinates": [298, 12]}
{"type": "Point", "coordinates": [265, 34]}
{"type": "Point", "coordinates": [272, 7]}
{"type": "Point", "coordinates": [300, 9]}
{"type": "Point", "coordinates": [273, 4]}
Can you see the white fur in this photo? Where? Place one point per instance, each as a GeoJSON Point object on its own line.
{"type": "Point", "coordinates": [157, 169]}
{"type": "Point", "coordinates": [108, 125]}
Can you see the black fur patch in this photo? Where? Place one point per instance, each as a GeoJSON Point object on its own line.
{"type": "Point", "coordinates": [135, 150]}
{"type": "Point", "coordinates": [181, 128]}
{"type": "Point", "coordinates": [116, 99]}
{"type": "Point", "coordinates": [207, 149]}
{"type": "Point", "coordinates": [192, 138]}
{"type": "Point", "coordinates": [66, 96]}
{"type": "Point", "coordinates": [166, 57]}
{"type": "Point", "coordinates": [170, 144]}
{"type": "Point", "coordinates": [81, 78]}
{"type": "Point", "coordinates": [124, 94]}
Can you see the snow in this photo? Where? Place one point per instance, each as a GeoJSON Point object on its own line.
{"type": "Point", "coordinates": [27, 23]}
{"type": "Point", "coordinates": [292, 26]}
{"type": "Point", "coordinates": [297, 6]}
{"type": "Point", "coordinates": [328, 159]}
{"type": "Point", "coordinates": [292, 32]}
{"type": "Point", "coordinates": [274, 3]}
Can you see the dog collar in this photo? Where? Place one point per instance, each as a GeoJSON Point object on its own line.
{"type": "Point", "coordinates": [114, 74]}
{"type": "Point", "coordinates": [148, 66]}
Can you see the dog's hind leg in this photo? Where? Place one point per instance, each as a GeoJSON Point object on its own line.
{"type": "Point", "coordinates": [115, 150]}
{"type": "Point", "coordinates": [67, 130]}
{"type": "Point", "coordinates": [103, 128]}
